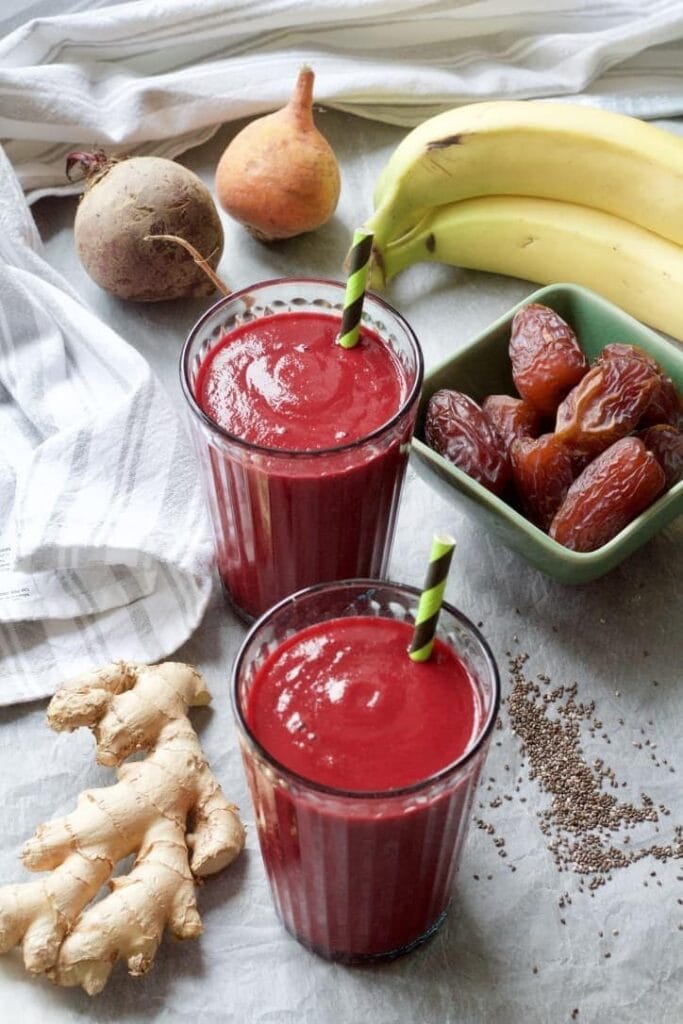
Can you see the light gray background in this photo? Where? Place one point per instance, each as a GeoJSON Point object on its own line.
{"type": "Point", "coordinates": [480, 967]}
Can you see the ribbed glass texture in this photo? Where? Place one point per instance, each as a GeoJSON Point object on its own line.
{"type": "Point", "coordinates": [361, 876]}
{"type": "Point", "coordinates": [285, 520]}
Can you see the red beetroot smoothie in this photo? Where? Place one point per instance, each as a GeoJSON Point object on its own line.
{"type": "Point", "coordinates": [315, 501]}
{"type": "Point", "coordinates": [341, 704]}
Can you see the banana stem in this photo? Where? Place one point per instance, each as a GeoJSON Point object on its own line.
{"type": "Point", "coordinates": [415, 247]}
{"type": "Point", "coordinates": [390, 226]}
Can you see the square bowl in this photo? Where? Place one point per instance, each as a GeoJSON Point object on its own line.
{"type": "Point", "coordinates": [483, 368]}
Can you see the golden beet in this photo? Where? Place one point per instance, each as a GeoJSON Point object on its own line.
{"type": "Point", "coordinates": [279, 177]}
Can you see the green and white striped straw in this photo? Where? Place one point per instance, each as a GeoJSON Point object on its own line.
{"type": "Point", "coordinates": [359, 265]}
{"type": "Point", "coordinates": [431, 597]}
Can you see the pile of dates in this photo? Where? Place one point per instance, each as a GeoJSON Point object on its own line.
{"type": "Point", "coordinates": [583, 449]}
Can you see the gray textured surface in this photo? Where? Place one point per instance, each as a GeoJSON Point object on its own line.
{"type": "Point", "coordinates": [616, 635]}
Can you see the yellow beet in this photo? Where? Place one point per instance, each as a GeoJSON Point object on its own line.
{"type": "Point", "coordinates": [279, 177]}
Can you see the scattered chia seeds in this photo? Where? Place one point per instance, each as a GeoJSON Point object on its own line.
{"type": "Point", "coordinates": [583, 823]}
{"type": "Point", "coordinates": [588, 829]}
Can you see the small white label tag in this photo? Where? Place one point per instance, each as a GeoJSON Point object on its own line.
{"type": "Point", "coordinates": [14, 586]}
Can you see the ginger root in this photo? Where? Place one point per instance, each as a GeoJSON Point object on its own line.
{"type": "Point", "coordinates": [168, 809]}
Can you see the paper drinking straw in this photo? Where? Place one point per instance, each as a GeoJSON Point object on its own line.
{"type": "Point", "coordinates": [359, 264]}
{"type": "Point", "coordinates": [431, 597]}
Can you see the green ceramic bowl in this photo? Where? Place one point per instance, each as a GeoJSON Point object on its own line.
{"type": "Point", "coordinates": [482, 368]}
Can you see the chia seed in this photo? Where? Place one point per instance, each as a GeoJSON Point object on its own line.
{"type": "Point", "coordinates": [585, 825]}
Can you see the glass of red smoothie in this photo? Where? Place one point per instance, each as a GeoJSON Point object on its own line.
{"type": "Point", "coordinates": [303, 444]}
{"type": "Point", "coordinates": [362, 764]}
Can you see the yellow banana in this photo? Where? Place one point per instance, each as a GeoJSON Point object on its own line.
{"type": "Point", "coordinates": [547, 241]}
{"type": "Point", "coordinates": [577, 154]}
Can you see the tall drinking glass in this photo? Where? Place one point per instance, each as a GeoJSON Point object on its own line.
{"type": "Point", "coordinates": [286, 519]}
{"type": "Point", "coordinates": [358, 876]}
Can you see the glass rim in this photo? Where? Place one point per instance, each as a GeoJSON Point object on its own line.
{"type": "Point", "coordinates": [290, 453]}
{"type": "Point", "coordinates": [383, 794]}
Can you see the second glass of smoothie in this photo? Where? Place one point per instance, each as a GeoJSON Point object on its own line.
{"type": "Point", "coordinates": [362, 764]}
{"type": "Point", "coordinates": [303, 444]}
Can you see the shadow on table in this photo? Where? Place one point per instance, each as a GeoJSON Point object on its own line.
{"type": "Point", "coordinates": [16, 712]}
{"type": "Point", "coordinates": [620, 630]}
{"type": "Point", "coordinates": [440, 976]}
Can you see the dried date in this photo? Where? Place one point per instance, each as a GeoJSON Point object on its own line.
{"type": "Point", "coordinates": [609, 401]}
{"type": "Point", "coordinates": [512, 418]}
{"type": "Point", "coordinates": [543, 472]}
{"type": "Point", "coordinates": [456, 428]}
{"type": "Point", "coordinates": [666, 444]}
{"type": "Point", "coordinates": [546, 358]}
{"type": "Point", "coordinates": [613, 489]}
{"type": "Point", "coordinates": [620, 350]}
{"type": "Point", "coordinates": [665, 405]}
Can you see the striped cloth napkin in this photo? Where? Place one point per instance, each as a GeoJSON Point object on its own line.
{"type": "Point", "coordinates": [104, 545]}
{"type": "Point", "coordinates": [159, 77]}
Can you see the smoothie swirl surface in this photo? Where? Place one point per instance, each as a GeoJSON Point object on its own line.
{"type": "Point", "coordinates": [342, 704]}
{"type": "Point", "coordinates": [283, 382]}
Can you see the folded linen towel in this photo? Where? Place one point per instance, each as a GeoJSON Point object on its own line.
{"type": "Point", "coordinates": [153, 77]}
{"type": "Point", "coordinates": [104, 543]}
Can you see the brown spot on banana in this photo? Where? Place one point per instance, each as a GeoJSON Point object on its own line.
{"type": "Point", "coordinates": [430, 242]}
{"type": "Point", "coordinates": [445, 143]}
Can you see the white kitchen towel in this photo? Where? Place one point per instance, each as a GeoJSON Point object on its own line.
{"type": "Point", "coordinates": [159, 76]}
{"type": "Point", "coordinates": [105, 550]}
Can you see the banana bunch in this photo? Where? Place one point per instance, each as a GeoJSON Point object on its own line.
{"type": "Point", "coordinates": [547, 192]}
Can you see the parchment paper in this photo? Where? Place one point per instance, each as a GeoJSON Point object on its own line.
{"type": "Point", "coordinates": [503, 956]}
